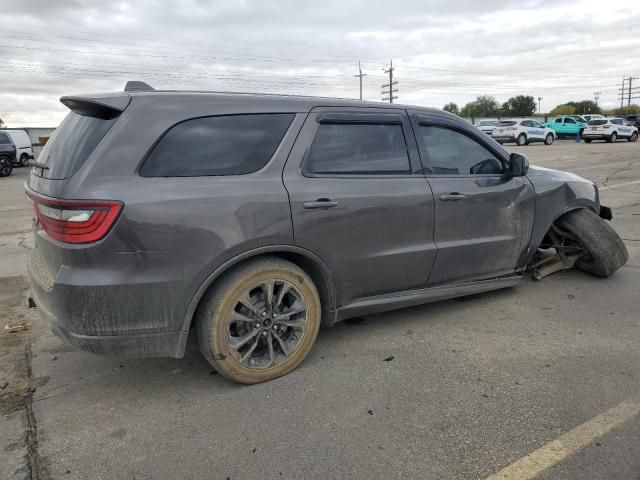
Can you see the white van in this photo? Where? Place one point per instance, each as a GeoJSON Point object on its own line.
{"type": "Point", "coordinates": [24, 152]}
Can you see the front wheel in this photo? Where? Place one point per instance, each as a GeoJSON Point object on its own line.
{"type": "Point", "coordinates": [5, 167]}
{"type": "Point", "coordinates": [613, 138]}
{"type": "Point", "coordinates": [548, 140]}
{"type": "Point", "coordinates": [633, 137]}
{"type": "Point", "coordinates": [260, 321]}
{"type": "Point", "coordinates": [521, 140]}
{"type": "Point", "coordinates": [603, 251]}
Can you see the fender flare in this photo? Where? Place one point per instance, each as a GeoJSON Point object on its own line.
{"type": "Point", "coordinates": [274, 249]}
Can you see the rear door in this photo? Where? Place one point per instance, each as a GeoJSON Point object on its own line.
{"type": "Point", "coordinates": [360, 202]}
{"type": "Point", "coordinates": [483, 217]}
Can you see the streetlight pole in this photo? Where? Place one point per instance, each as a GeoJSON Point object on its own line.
{"type": "Point", "coordinates": [596, 96]}
{"type": "Point", "coordinates": [539, 103]}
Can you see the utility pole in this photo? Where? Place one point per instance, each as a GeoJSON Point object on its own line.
{"type": "Point", "coordinates": [596, 96]}
{"type": "Point", "coordinates": [360, 74]}
{"type": "Point", "coordinates": [624, 82]}
{"type": "Point", "coordinates": [389, 85]}
{"type": "Point", "coordinates": [631, 91]}
{"type": "Point", "coordinates": [539, 104]}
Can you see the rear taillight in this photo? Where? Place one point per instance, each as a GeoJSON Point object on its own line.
{"type": "Point", "coordinates": [75, 221]}
{"type": "Point", "coordinates": [606, 126]}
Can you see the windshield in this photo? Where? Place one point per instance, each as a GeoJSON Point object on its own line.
{"type": "Point", "coordinates": [597, 122]}
{"type": "Point", "coordinates": [71, 144]}
{"type": "Point", "coordinates": [506, 123]}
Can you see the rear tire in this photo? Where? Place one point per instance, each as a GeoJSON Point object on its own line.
{"type": "Point", "coordinates": [5, 166]}
{"type": "Point", "coordinates": [521, 140]}
{"type": "Point", "coordinates": [633, 137]}
{"type": "Point", "coordinates": [548, 140]}
{"type": "Point", "coordinates": [24, 160]}
{"type": "Point", "coordinates": [270, 340]}
{"type": "Point", "coordinates": [613, 138]}
{"type": "Point", "coordinates": [605, 252]}
{"type": "Point", "coordinates": [587, 140]}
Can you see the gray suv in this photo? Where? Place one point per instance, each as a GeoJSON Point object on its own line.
{"type": "Point", "coordinates": [250, 220]}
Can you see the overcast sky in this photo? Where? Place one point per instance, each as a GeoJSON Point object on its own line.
{"type": "Point", "coordinates": [443, 50]}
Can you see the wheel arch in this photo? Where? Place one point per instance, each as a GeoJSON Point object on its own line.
{"type": "Point", "coordinates": [313, 265]}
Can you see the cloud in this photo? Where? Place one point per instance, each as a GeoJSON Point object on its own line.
{"type": "Point", "coordinates": [443, 50]}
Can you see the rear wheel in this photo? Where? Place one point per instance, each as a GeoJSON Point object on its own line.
{"type": "Point", "coordinates": [587, 140]}
{"type": "Point", "coordinates": [259, 322]}
{"type": "Point", "coordinates": [633, 137]}
{"type": "Point", "coordinates": [5, 166]}
{"type": "Point", "coordinates": [613, 138]}
{"type": "Point", "coordinates": [604, 251]}
{"type": "Point", "coordinates": [24, 160]}
{"type": "Point", "coordinates": [548, 140]}
{"type": "Point", "coordinates": [521, 140]}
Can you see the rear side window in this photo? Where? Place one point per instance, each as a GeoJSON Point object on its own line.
{"type": "Point", "coordinates": [213, 146]}
{"type": "Point", "coordinates": [569, 120]}
{"type": "Point", "coordinates": [4, 139]}
{"type": "Point", "coordinates": [71, 144]}
{"type": "Point", "coordinates": [358, 149]}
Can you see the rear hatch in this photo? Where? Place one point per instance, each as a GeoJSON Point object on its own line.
{"type": "Point", "coordinates": [597, 126]}
{"type": "Point", "coordinates": [63, 223]}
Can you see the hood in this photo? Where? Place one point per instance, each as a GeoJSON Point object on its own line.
{"type": "Point", "coordinates": [546, 181]}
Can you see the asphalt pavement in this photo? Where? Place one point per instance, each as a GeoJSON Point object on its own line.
{"type": "Point", "coordinates": [459, 389]}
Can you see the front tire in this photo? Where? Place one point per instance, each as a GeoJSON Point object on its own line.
{"type": "Point", "coordinates": [521, 140]}
{"type": "Point", "coordinates": [604, 250]}
{"type": "Point", "coordinates": [633, 137]}
{"type": "Point", "coordinates": [260, 321]}
{"type": "Point", "coordinates": [5, 166]}
{"type": "Point", "coordinates": [548, 140]}
{"type": "Point", "coordinates": [613, 138]}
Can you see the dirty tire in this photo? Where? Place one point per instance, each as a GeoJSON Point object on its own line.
{"type": "Point", "coordinates": [213, 318]}
{"type": "Point", "coordinates": [548, 140]}
{"type": "Point", "coordinates": [633, 137]}
{"type": "Point", "coordinates": [521, 140]}
{"type": "Point", "coordinates": [605, 250]}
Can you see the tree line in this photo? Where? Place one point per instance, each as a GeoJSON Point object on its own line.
{"type": "Point", "coordinates": [526, 106]}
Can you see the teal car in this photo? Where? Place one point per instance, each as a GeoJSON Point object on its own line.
{"type": "Point", "coordinates": [566, 126]}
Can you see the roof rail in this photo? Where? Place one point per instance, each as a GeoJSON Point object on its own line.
{"type": "Point", "coordinates": [137, 86]}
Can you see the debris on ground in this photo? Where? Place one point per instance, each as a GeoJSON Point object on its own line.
{"type": "Point", "coordinates": [388, 359]}
{"type": "Point", "coordinates": [17, 327]}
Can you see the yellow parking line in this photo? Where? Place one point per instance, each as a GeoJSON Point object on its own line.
{"type": "Point", "coordinates": [570, 443]}
{"type": "Point", "coordinates": [619, 185]}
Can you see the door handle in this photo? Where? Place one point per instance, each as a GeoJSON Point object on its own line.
{"type": "Point", "coordinates": [321, 203]}
{"type": "Point", "coordinates": [452, 197]}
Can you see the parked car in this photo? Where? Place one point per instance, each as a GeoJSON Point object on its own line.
{"type": "Point", "coordinates": [566, 126]}
{"type": "Point", "coordinates": [7, 154]}
{"type": "Point", "coordinates": [592, 116]}
{"type": "Point", "coordinates": [21, 140]}
{"type": "Point", "coordinates": [248, 220]}
{"type": "Point", "coordinates": [487, 126]}
{"type": "Point", "coordinates": [633, 120]}
{"type": "Point", "coordinates": [523, 132]}
{"type": "Point", "coordinates": [610, 129]}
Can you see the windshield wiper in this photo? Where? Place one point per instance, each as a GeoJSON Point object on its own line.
{"type": "Point", "coordinates": [36, 164]}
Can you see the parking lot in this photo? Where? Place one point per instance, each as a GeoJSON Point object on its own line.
{"type": "Point", "coordinates": [460, 389]}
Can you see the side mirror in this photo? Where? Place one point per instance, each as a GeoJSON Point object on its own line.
{"type": "Point", "coordinates": [518, 164]}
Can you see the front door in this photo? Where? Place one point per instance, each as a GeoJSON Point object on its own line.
{"type": "Point", "coordinates": [360, 202]}
{"type": "Point", "coordinates": [483, 217]}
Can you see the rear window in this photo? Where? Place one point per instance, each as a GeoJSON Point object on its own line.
{"type": "Point", "coordinates": [597, 122]}
{"type": "Point", "coordinates": [71, 144]}
{"type": "Point", "coordinates": [506, 123]}
{"type": "Point", "coordinates": [487, 123]}
{"type": "Point", "coordinates": [214, 146]}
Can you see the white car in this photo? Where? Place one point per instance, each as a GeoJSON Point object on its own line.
{"type": "Point", "coordinates": [487, 126]}
{"type": "Point", "coordinates": [24, 152]}
{"type": "Point", "coordinates": [523, 132]}
{"type": "Point", "coordinates": [610, 129]}
{"type": "Point", "coordinates": [592, 116]}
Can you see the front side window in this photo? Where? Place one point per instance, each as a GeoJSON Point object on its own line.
{"type": "Point", "coordinates": [569, 120]}
{"type": "Point", "coordinates": [452, 153]}
{"type": "Point", "coordinates": [536, 124]}
{"type": "Point", "coordinates": [358, 149]}
{"type": "Point", "coordinates": [211, 146]}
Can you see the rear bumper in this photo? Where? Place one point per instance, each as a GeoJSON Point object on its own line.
{"type": "Point", "coordinates": [504, 138]}
{"type": "Point", "coordinates": [107, 319]}
{"type": "Point", "coordinates": [596, 136]}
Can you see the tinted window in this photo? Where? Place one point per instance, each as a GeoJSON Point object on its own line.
{"type": "Point", "coordinates": [225, 145]}
{"type": "Point", "coordinates": [597, 122]}
{"type": "Point", "coordinates": [358, 148]}
{"type": "Point", "coordinates": [616, 121]}
{"type": "Point", "coordinates": [487, 123]}
{"type": "Point", "coordinates": [506, 123]}
{"type": "Point", "coordinates": [4, 138]}
{"type": "Point", "coordinates": [71, 144]}
{"type": "Point", "coordinates": [453, 153]}
{"type": "Point", "coordinates": [569, 120]}
{"type": "Point", "coordinates": [558, 120]}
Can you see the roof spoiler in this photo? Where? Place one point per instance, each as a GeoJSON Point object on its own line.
{"type": "Point", "coordinates": [137, 86]}
{"type": "Point", "coordinates": [106, 106]}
